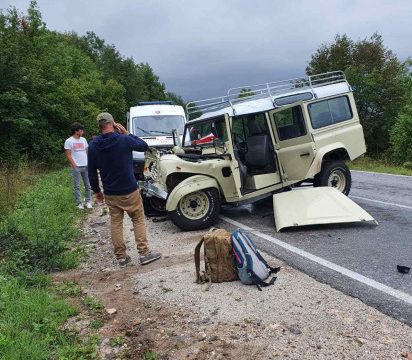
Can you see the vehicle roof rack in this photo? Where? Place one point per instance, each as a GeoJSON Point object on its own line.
{"type": "Point", "coordinates": [270, 90]}
{"type": "Point", "coordinates": [162, 102]}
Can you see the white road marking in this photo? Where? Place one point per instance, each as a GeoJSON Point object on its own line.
{"type": "Point", "coordinates": [372, 172]}
{"type": "Point", "coordinates": [381, 202]}
{"type": "Point", "coordinates": [349, 273]}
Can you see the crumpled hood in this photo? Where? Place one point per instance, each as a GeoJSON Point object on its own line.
{"type": "Point", "coordinates": [106, 141]}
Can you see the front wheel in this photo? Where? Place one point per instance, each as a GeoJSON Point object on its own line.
{"type": "Point", "coordinates": [335, 174]}
{"type": "Point", "coordinates": [153, 206]}
{"type": "Point", "coordinates": [197, 210]}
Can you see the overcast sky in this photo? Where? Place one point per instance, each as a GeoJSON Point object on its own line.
{"type": "Point", "coordinates": [199, 49]}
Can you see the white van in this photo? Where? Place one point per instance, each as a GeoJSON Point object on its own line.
{"type": "Point", "coordinates": [153, 122]}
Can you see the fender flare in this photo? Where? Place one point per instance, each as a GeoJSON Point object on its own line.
{"type": "Point", "coordinates": [316, 165]}
{"type": "Point", "coordinates": [187, 186]}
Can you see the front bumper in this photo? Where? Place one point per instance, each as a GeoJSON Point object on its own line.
{"type": "Point", "coordinates": [151, 190]}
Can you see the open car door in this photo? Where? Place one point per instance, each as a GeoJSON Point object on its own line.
{"type": "Point", "coordinates": [313, 206]}
{"type": "Point", "coordinates": [234, 164]}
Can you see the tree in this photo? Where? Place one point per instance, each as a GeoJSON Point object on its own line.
{"type": "Point", "coordinates": [49, 80]}
{"type": "Point", "coordinates": [245, 93]}
{"type": "Point", "coordinates": [379, 79]}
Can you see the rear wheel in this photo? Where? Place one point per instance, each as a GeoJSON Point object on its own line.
{"type": "Point", "coordinates": [197, 210]}
{"type": "Point", "coordinates": [335, 174]}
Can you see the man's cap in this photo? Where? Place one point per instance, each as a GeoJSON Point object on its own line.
{"type": "Point", "coordinates": [104, 118]}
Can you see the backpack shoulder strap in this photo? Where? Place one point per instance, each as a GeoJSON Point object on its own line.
{"type": "Point", "coordinates": [260, 283]}
{"type": "Point", "coordinates": [197, 260]}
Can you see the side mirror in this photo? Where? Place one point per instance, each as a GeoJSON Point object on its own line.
{"type": "Point", "coordinates": [176, 138]}
{"type": "Point", "coordinates": [128, 121]}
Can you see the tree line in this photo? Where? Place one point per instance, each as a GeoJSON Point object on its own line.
{"type": "Point", "coordinates": [50, 80]}
{"type": "Point", "coordinates": [382, 86]}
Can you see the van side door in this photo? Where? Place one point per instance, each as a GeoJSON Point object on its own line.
{"type": "Point", "coordinates": [295, 147]}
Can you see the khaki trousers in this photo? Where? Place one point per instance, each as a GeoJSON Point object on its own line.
{"type": "Point", "coordinates": [133, 206]}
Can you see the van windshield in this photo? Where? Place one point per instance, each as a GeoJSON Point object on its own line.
{"type": "Point", "coordinates": [157, 125]}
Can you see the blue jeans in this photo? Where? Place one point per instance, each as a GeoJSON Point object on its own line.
{"type": "Point", "coordinates": [77, 172]}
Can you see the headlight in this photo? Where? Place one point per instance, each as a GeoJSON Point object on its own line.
{"type": "Point", "coordinates": [150, 170]}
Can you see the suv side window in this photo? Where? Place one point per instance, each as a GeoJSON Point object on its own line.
{"type": "Point", "coordinates": [245, 125]}
{"type": "Point", "coordinates": [329, 112]}
{"type": "Point", "coordinates": [290, 123]}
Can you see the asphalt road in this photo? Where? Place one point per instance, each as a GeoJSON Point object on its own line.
{"type": "Point", "coordinates": [359, 259]}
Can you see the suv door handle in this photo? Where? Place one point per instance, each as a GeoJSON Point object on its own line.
{"type": "Point", "coordinates": [305, 154]}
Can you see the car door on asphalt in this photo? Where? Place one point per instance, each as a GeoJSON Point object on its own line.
{"type": "Point", "coordinates": [295, 148]}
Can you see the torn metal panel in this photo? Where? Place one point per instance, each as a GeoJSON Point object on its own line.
{"type": "Point", "coordinates": [313, 206]}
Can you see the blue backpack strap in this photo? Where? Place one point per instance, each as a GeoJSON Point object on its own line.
{"type": "Point", "coordinates": [260, 283]}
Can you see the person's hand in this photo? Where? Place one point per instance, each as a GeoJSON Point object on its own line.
{"type": "Point", "coordinates": [121, 129]}
{"type": "Point", "coordinates": [100, 197]}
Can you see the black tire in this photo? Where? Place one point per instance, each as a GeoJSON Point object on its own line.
{"type": "Point", "coordinates": [181, 216]}
{"type": "Point", "coordinates": [335, 174]}
{"type": "Point", "coordinates": [154, 206]}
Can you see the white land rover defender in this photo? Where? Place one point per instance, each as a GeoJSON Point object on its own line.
{"type": "Point", "coordinates": [267, 139]}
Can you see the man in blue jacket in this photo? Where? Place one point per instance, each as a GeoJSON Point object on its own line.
{"type": "Point", "coordinates": [111, 154]}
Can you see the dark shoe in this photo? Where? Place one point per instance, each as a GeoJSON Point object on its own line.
{"type": "Point", "coordinates": [124, 261]}
{"type": "Point", "coordinates": [149, 257]}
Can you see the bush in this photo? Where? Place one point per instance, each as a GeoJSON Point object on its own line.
{"type": "Point", "coordinates": [401, 135]}
{"type": "Point", "coordinates": [38, 235]}
{"type": "Point", "coordinates": [15, 178]}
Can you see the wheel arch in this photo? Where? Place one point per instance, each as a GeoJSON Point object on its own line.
{"type": "Point", "coordinates": [336, 151]}
{"type": "Point", "coordinates": [188, 185]}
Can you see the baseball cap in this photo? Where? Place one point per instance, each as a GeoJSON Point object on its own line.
{"type": "Point", "coordinates": [104, 118]}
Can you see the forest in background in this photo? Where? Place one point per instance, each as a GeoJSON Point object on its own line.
{"type": "Point", "coordinates": [50, 80]}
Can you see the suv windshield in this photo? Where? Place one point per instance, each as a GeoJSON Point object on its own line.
{"type": "Point", "coordinates": [205, 133]}
{"type": "Point", "coordinates": [157, 125]}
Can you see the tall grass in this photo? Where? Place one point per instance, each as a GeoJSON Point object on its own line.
{"type": "Point", "coordinates": [15, 179]}
{"type": "Point", "coordinates": [38, 234]}
{"type": "Point", "coordinates": [38, 230]}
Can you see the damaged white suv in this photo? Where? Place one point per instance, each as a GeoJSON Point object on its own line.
{"type": "Point", "coordinates": [262, 140]}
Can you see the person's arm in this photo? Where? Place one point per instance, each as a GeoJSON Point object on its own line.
{"type": "Point", "coordinates": [92, 172]}
{"type": "Point", "coordinates": [135, 142]}
{"type": "Point", "coordinates": [69, 158]}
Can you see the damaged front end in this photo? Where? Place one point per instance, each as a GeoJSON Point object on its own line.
{"type": "Point", "coordinates": [153, 184]}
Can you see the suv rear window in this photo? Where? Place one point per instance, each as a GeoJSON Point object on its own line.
{"type": "Point", "coordinates": [328, 112]}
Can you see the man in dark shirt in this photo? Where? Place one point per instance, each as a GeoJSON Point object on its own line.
{"type": "Point", "coordinates": [111, 154]}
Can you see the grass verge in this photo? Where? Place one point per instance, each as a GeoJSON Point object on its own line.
{"type": "Point", "coordinates": [37, 236]}
{"type": "Point", "coordinates": [380, 166]}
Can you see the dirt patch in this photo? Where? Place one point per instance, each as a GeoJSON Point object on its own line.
{"type": "Point", "coordinates": [162, 314]}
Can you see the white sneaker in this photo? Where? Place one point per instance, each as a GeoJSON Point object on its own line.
{"type": "Point", "coordinates": [89, 205]}
{"type": "Point", "coordinates": [80, 207]}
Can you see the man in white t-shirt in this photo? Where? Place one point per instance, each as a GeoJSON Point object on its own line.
{"type": "Point", "coordinates": [75, 148]}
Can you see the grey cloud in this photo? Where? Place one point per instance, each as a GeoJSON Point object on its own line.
{"type": "Point", "coordinates": [199, 49]}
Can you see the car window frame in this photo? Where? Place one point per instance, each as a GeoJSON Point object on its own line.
{"type": "Point", "coordinates": [326, 100]}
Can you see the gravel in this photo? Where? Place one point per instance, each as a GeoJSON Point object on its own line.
{"type": "Point", "coordinates": [297, 318]}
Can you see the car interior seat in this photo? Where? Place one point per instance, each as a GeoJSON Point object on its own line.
{"type": "Point", "coordinates": [260, 154]}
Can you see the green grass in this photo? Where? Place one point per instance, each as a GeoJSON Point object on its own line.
{"type": "Point", "coordinates": [117, 341]}
{"type": "Point", "coordinates": [37, 235]}
{"type": "Point", "coordinates": [92, 304]}
{"type": "Point", "coordinates": [31, 321]}
{"type": "Point", "coordinates": [380, 166]}
{"type": "Point", "coordinates": [150, 355]}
